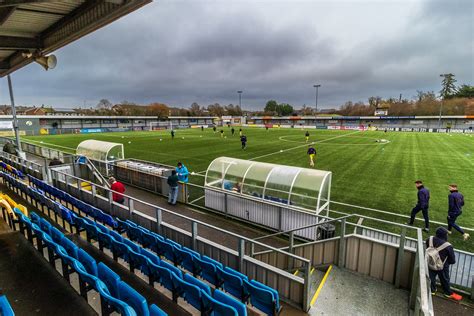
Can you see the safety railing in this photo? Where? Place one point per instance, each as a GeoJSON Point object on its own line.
{"type": "Point", "coordinates": [26, 166]}
{"type": "Point", "coordinates": [187, 231]}
{"type": "Point", "coordinates": [420, 296]}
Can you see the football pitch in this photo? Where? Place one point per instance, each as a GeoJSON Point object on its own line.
{"type": "Point", "coordinates": [370, 169]}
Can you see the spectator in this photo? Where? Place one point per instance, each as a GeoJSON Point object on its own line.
{"type": "Point", "coordinates": [173, 186]}
{"type": "Point", "coordinates": [422, 205]}
{"type": "Point", "coordinates": [456, 202]}
{"type": "Point", "coordinates": [440, 255]}
{"type": "Point", "coordinates": [117, 189]}
{"type": "Point", "coordinates": [182, 172]}
{"type": "Point", "coordinates": [55, 162]}
{"type": "Point", "coordinates": [9, 148]}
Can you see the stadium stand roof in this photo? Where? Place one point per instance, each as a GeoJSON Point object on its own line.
{"type": "Point", "coordinates": [41, 27]}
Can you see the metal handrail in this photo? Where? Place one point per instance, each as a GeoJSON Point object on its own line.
{"type": "Point", "coordinates": [186, 217]}
{"type": "Point", "coordinates": [425, 290]}
{"type": "Point", "coordinates": [303, 227]}
{"type": "Point", "coordinates": [386, 213]}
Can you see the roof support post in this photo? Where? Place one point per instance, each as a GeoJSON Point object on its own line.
{"type": "Point", "coordinates": [15, 119]}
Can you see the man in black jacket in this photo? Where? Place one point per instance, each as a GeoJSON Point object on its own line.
{"type": "Point", "coordinates": [455, 202]}
{"type": "Point", "coordinates": [422, 205]}
{"type": "Point", "coordinates": [447, 256]}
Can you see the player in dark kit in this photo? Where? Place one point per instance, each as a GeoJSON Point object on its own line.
{"type": "Point", "coordinates": [307, 136]}
{"type": "Point", "coordinates": [311, 154]}
{"type": "Point", "coordinates": [243, 140]}
{"type": "Point", "coordinates": [172, 134]}
{"type": "Point", "coordinates": [232, 131]}
{"type": "Point", "coordinates": [214, 128]}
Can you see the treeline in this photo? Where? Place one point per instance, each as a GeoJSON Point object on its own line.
{"type": "Point", "coordinates": [426, 103]}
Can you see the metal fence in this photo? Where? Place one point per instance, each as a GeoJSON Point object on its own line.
{"type": "Point", "coordinates": [293, 289]}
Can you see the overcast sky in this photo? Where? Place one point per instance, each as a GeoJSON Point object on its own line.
{"type": "Point", "coordinates": [178, 52]}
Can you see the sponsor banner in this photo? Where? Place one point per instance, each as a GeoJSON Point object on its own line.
{"type": "Point", "coordinates": [425, 130]}
{"type": "Point", "coordinates": [348, 128]}
{"type": "Point", "coordinates": [6, 124]}
{"type": "Point", "coordinates": [90, 130]}
{"type": "Point", "coordinates": [416, 122]}
{"type": "Point", "coordinates": [11, 133]}
{"type": "Point", "coordinates": [199, 126]}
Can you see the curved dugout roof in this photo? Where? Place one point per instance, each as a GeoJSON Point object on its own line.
{"type": "Point", "coordinates": [301, 187]}
{"type": "Point", "coordinates": [100, 150]}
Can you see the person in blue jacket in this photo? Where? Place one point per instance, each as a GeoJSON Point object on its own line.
{"type": "Point", "coordinates": [422, 205]}
{"type": "Point", "coordinates": [456, 202]}
{"type": "Point", "coordinates": [182, 172]}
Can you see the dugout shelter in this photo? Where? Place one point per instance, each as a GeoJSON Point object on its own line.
{"type": "Point", "coordinates": [261, 192]}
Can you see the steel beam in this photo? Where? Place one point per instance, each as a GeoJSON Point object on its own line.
{"type": "Point", "coordinates": [18, 43]}
{"type": "Point", "coordinates": [5, 13]}
{"type": "Point", "coordinates": [9, 3]}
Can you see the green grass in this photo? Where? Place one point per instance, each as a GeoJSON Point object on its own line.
{"type": "Point", "coordinates": [365, 173]}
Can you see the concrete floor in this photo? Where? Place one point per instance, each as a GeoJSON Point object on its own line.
{"type": "Point", "coordinates": [30, 284]}
{"type": "Point", "coordinates": [348, 293]}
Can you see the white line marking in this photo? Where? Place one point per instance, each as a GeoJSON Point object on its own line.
{"type": "Point", "coordinates": [306, 144]}
{"type": "Point", "coordinates": [45, 143]}
{"type": "Point", "coordinates": [197, 199]}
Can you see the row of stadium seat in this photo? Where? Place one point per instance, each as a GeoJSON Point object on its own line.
{"type": "Point", "coordinates": [8, 168]}
{"type": "Point", "coordinates": [92, 276]}
{"type": "Point", "coordinates": [237, 284]}
{"type": "Point", "coordinates": [5, 307]}
{"type": "Point", "coordinates": [194, 291]}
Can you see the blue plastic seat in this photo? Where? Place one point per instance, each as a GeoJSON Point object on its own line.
{"type": "Point", "coordinates": [139, 261]}
{"type": "Point", "coordinates": [156, 311]}
{"type": "Point", "coordinates": [190, 292]}
{"type": "Point", "coordinates": [214, 262]}
{"type": "Point", "coordinates": [168, 250]}
{"type": "Point", "coordinates": [110, 303]}
{"type": "Point", "coordinates": [109, 220]}
{"type": "Point", "coordinates": [134, 299]}
{"type": "Point", "coordinates": [162, 275]}
{"type": "Point", "coordinates": [208, 271]}
{"type": "Point", "coordinates": [134, 233]}
{"type": "Point", "coordinates": [263, 297]}
{"type": "Point", "coordinates": [132, 245]}
{"type": "Point", "coordinates": [203, 286]}
{"type": "Point", "coordinates": [45, 225]}
{"type": "Point", "coordinates": [87, 261]}
{"type": "Point", "coordinates": [5, 307]}
{"type": "Point", "coordinates": [216, 308]}
{"type": "Point", "coordinates": [102, 228]}
{"type": "Point", "coordinates": [110, 278]}
{"type": "Point", "coordinates": [56, 234]}
{"type": "Point", "coordinates": [116, 235]}
{"type": "Point", "coordinates": [185, 259]}
{"type": "Point", "coordinates": [105, 240]}
{"type": "Point", "coordinates": [91, 230]}
{"type": "Point", "coordinates": [70, 247]}
{"type": "Point", "coordinates": [148, 240]}
{"type": "Point", "coordinates": [233, 282]}
{"type": "Point", "coordinates": [229, 300]}
{"type": "Point", "coordinates": [151, 256]}
{"type": "Point", "coordinates": [172, 268]}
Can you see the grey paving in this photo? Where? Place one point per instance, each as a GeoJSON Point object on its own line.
{"type": "Point", "coordinates": [348, 293]}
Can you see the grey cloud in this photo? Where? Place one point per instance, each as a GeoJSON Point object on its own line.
{"type": "Point", "coordinates": [179, 52]}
